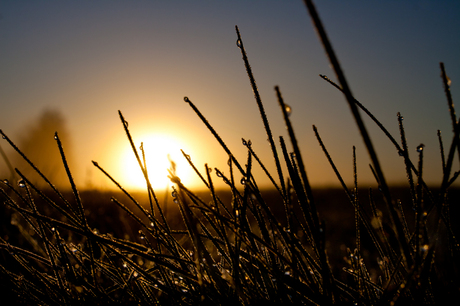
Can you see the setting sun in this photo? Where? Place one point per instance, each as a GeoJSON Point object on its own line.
{"type": "Point", "coordinates": [160, 150]}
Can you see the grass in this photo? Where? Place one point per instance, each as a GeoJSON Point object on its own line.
{"type": "Point", "coordinates": [242, 246]}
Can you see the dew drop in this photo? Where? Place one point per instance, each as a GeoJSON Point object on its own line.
{"type": "Point", "coordinates": [14, 220]}
{"type": "Point", "coordinates": [239, 43]}
{"type": "Point", "coordinates": [401, 152]}
{"type": "Point", "coordinates": [4, 137]}
{"type": "Point", "coordinates": [288, 109]}
{"type": "Point", "coordinates": [21, 183]}
{"type": "Point", "coordinates": [174, 194]}
{"type": "Point", "coordinates": [243, 181]}
{"type": "Point", "coordinates": [218, 173]}
{"type": "Point", "coordinates": [53, 229]}
{"type": "Point", "coordinates": [95, 232]}
{"type": "Point", "coordinates": [6, 182]}
{"type": "Point", "coordinates": [449, 82]}
{"type": "Point", "coordinates": [141, 234]}
{"type": "Point", "coordinates": [186, 99]}
{"type": "Point", "coordinates": [420, 147]}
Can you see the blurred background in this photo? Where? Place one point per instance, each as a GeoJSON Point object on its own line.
{"type": "Point", "coordinates": [70, 66]}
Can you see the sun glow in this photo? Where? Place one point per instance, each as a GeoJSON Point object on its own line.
{"type": "Point", "coordinates": [160, 150]}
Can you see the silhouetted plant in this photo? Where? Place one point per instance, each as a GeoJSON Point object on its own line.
{"type": "Point", "coordinates": [238, 249]}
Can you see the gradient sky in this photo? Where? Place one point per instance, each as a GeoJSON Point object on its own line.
{"type": "Point", "coordinates": [89, 59]}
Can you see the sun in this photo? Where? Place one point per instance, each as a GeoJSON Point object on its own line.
{"type": "Point", "coordinates": [160, 150]}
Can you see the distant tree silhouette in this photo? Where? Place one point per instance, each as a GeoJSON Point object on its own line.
{"type": "Point", "coordinates": [38, 144]}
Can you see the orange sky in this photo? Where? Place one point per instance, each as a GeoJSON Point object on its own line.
{"type": "Point", "coordinates": [90, 59]}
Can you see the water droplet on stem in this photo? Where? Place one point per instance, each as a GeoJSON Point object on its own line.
{"type": "Point", "coordinates": [420, 147]}
{"type": "Point", "coordinates": [142, 235]}
{"type": "Point", "coordinates": [288, 109]}
{"type": "Point", "coordinates": [239, 43]}
{"type": "Point", "coordinates": [246, 143]}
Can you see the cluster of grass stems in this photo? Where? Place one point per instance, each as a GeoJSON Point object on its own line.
{"type": "Point", "coordinates": [237, 251]}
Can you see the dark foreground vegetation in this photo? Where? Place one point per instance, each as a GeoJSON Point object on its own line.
{"type": "Point", "coordinates": [289, 245]}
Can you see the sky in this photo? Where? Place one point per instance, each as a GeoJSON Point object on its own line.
{"type": "Point", "coordinates": [89, 59]}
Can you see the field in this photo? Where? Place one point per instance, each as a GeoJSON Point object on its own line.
{"type": "Point", "coordinates": [293, 244]}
